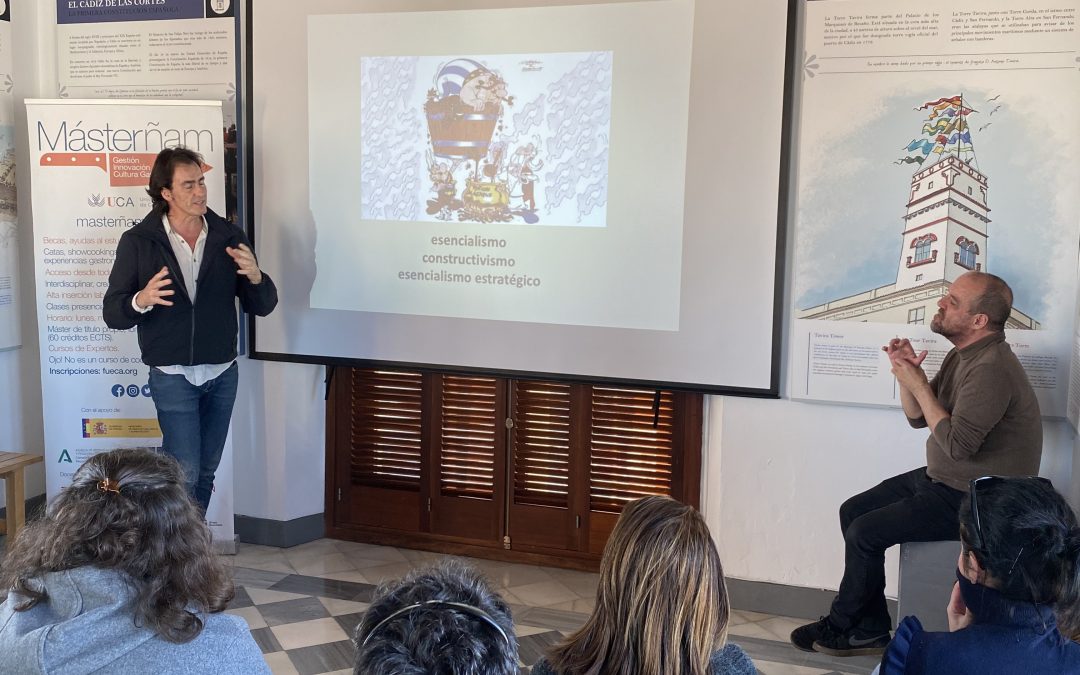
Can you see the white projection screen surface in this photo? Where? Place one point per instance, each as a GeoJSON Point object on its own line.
{"type": "Point", "coordinates": [588, 190]}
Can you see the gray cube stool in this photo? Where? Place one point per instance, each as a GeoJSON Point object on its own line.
{"type": "Point", "coordinates": [927, 575]}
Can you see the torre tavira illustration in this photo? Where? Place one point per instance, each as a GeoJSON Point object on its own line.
{"type": "Point", "coordinates": [944, 227]}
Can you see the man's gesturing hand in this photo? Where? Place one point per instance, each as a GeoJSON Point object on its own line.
{"type": "Point", "coordinates": [902, 349]}
{"type": "Point", "coordinates": [245, 262]}
{"type": "Point", "coordinates": [155, 292]}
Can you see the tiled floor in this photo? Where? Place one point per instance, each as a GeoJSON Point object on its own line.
{"type": "Point", "coordinates": [303, 603]}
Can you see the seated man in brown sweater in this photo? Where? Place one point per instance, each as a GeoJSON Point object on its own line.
{"type": "Point", "coordinates": [984, 420]}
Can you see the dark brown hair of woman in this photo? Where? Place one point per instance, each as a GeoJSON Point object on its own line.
{"type": "Point", "coordinates": [127, 510]}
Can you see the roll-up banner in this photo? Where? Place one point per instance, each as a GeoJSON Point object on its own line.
{"type": "Point", "coordinates": [90, 164]}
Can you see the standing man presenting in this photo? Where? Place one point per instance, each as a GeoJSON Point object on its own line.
{"type": "Point", "coordinates": [984, 420]}
{"type": "Point", "coordinates": [176, 277]}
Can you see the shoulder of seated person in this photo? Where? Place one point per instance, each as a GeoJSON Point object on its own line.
{"type": "Point", "coordinates": [541, 667]}
{"type": "Point", "coordinates": [731, 660]}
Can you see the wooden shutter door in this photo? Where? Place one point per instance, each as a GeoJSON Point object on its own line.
{"type": "Point", "coordinates": [546, 465]}
{"type": "Point", "coordinates": [632, 443]}
{"type": "Point", "coordinates": [382, 432]}
{"type": "Point", "coordinates": [425, 459]}
{"type": "Point", "coordinates": [469, 445]}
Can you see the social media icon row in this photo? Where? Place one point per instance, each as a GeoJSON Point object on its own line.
{"type": "Point", "coordinates": [132, 390]}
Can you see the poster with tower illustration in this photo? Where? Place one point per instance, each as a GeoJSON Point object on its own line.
{"type": "Point", "coordinates": [933, 143]}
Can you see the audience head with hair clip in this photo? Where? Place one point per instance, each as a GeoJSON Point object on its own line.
{"type": "Point", "coordinates": [443, 620]}
{"type": "Point", "coordinates": [119, 575]}
{"type": "Point", "coordinates": [661, 603]}
{"type": "Point", "coordinates": [1018, 575]}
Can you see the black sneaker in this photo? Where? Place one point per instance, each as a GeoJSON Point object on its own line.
{"type": "Point", "coordinates": [852, 642]}
{"type": "Point", "coordinates": [804, 637]}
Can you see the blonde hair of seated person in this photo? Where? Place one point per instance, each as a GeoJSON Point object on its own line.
{"type": "Point", "coordinates": [661, 602]}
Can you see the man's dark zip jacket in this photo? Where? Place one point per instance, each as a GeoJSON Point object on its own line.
{"type": "Point", "coordinates": [184, 335]}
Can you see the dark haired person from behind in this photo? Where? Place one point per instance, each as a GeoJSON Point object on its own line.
{"type": "Point", "coordinates": [661, 604]}
{"type": "Point", "coordinates": [176, 278]}
{"type": "Point", "coordinates": [119, 577]}
{"type": "Point", "coordinates": [1018, 568]}
{"type": "Point", "coordinates": [445, 620]}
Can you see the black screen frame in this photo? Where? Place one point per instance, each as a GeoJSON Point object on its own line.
{"type": "Point", "coordinates": [246, 209]}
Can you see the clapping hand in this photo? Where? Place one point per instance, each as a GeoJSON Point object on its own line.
{"type": "Point", "coordinates": [906, 364]}
{"type": "Point", "coordinates": [898, 349]}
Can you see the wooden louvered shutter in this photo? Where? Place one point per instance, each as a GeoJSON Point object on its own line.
{"type": "Point", "coordinates": [469, 476]}
{"type": "Point", "coordinates": [422, 459]}
{"type": "Point", "coordinates": [382, 430]}
{"type": "Point", "coordinates": [633, 439]}
{"type": "Point", "coordinates": [631, 442]}
{"type": "Point", "coordinates": [543, 477]}
{"type": "Point", "coordinates": [542, 444]}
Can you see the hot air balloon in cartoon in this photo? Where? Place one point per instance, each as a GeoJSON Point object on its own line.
{"type": "Point", "coordinates": [463, 110]}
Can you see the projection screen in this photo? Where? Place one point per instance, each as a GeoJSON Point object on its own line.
{"type": "Point", "coordinates": [586, 190]}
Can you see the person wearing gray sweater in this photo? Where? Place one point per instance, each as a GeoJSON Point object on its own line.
{"type": "Point", "coordinates": [87, 625]}
{"type": "Point", "coordinates": [119, 576]}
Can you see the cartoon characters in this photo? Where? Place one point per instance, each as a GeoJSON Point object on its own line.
{"type": "Point", "coordinates": [483, 87]}
{"type": "Point", "coordinates": [464, 109]}
{"type": "Point", "coordinates": [523, 166]}
{"type": "Point", "coordinates": [444, 186]}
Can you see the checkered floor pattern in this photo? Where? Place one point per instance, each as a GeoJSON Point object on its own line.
{"type": "Point", "coordinates": [303, 603]}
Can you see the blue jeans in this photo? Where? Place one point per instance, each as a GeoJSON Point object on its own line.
{"type": "Point", "coordinates": [194, 424]}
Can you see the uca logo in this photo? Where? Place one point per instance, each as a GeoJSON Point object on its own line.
{"type": "Point", "coordinates": [120, 200]}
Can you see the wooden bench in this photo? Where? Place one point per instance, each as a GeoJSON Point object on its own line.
{"type": "Point", "coordinates": [11, 471]}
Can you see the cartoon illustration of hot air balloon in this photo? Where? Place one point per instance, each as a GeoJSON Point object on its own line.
{"type": "Point", "coordinates": [464, 108]}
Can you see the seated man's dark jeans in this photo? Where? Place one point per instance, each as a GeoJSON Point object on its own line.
{"type": "Point", "coordinates": [908, 507]}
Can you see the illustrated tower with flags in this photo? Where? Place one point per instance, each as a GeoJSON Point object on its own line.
{"type": "Point", "coordinates": [947, 214]}
{"type": "Point", "coordinates": [944, 229]}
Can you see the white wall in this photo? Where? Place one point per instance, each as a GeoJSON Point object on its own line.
{"type": "Point", "coordinates": [20, 379]}
{"type": "Point", "coordinates": [279, 439]}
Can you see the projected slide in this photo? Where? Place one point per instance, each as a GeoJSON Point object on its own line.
{"type": "Point", "coordinates": [584, 188]}
{"type": "Point", "coordinates": [486, 130]}
{"type": "Point", "coordinates": [458, 173]}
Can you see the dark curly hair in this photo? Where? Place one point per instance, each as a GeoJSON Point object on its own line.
{"type": "Point", "coordinates": [149, 529]}
{"type": "Point", "coordinates": [436, 639]}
